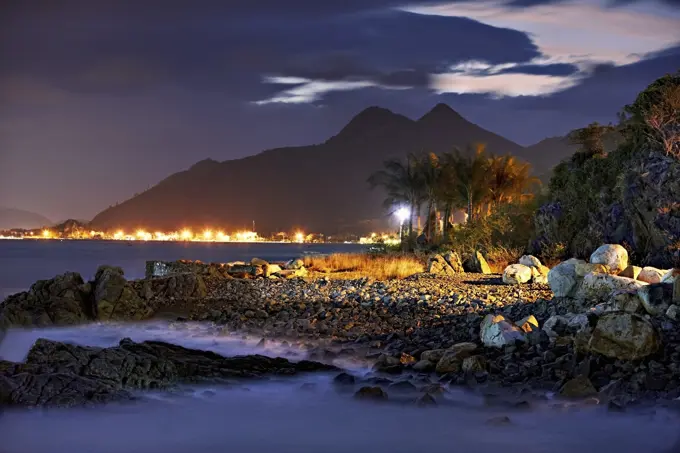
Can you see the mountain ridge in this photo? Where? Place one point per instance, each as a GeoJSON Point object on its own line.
{"type": "Point", "coordinates": [319, 187]}
{"type": "Point", "coordinates": [11, 218]}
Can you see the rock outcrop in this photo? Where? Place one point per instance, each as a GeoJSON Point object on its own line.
{"type": "Point", "coordinates": [58, 374]}
{"type": "Point", "coordinates": [477, 264]}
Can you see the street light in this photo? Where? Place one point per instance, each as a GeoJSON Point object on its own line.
{"type": "Point", "coordinates": [402, 214]}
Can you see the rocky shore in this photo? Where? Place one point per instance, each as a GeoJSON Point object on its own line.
{"type": "Point", "coordinates": [581, 330]}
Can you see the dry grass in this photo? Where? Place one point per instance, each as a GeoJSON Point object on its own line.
{"type": "Point", "coordinates": [500, 257]}
{"type": "Point", "coordinates": [381, 267]}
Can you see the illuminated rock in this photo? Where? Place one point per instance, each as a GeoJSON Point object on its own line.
{"type": "Point", "coordinates": [517, 274]}
{"type": "Point", "coordinates": [614, 256]}
{"type": "Point", "coordinates": [530, 260]}
{"type": "Point", "coordinates": [651, 275]}
{"type": "Point", "coordinates": [563, 279]}
{"type": "Point", "coordinates": [624, 336]}
{"type": "Point", "coordinates": [497, 332]}
{"type": "Point", "coordinates": [477, 264]}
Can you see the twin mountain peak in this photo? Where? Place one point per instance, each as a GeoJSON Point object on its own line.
{"type": "Point", "coordinates": [319, 188]}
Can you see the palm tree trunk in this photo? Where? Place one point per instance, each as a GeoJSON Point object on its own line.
{"type": "Point", "coordinates": [428, 220]}
{"type": "Point", "coordinates": [469, 207]}
{"type": "Point", "coordinates": [447, 215]}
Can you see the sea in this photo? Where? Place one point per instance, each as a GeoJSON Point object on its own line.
{"type": "Point", "coordinates": [277, 415]}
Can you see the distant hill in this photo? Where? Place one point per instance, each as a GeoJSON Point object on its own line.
{"type": "Point", "coordinates": [17, 218]}
{"type": "Point", "coordinates": [320, 188]}
{"type": "Point", "coordinates": [547, 153]}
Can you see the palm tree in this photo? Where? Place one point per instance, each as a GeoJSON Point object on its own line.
{"type": "Point", "coordinates": [403, 183]}
{"type": "Point", "coordinates": [470, 178]}
{"type": "Point", "coordinates": [509, 179]}
{"type": "Point", "coordinates": [429, 170]}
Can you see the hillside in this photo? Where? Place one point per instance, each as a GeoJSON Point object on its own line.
{"type": "Point", "coordinates": [319, 188]}
{"type": "Point", "coordinates": [18, 218]}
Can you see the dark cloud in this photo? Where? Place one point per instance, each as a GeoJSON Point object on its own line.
{"type": "Point", "coordinates": [561, 69]}
{"type": "Point", "coordinates": [613, 3]}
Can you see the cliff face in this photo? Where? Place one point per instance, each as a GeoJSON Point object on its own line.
{"type": "Point", "coordinates": [319, 188]}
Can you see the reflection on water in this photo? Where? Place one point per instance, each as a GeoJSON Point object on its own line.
{"type": "Point", "coordinates": [278, 416]}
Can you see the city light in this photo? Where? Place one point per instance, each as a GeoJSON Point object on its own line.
{"type": "Point", "coordinates": [402, 214]}
{"type": "Point", "coordinates": [46, 234]}
{"type": "Point", "coordinates": [187, 235]}
{"type": "Point", "coordinates": [208, 235]}
{"type": "Point", "coordinates": [299, 236]}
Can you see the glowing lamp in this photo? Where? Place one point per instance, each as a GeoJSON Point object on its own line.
{"type": "Point", "coordinates": [186, 235]}
{"type": "Point", "coordinates": [402, 214]}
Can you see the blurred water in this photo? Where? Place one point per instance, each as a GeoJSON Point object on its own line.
{"type": "Point", "coordinates": [24, 262]}
{"type": "Point", "coordinates": [278, 416]}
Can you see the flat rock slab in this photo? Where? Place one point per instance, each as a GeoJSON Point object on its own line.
{"type": "Point", "coordinates": [59, 374]}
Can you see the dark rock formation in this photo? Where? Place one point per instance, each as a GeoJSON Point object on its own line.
{"type": "Point", "coordinates": [58, 374]}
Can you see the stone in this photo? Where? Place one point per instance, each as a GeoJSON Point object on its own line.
{"type": "Point", "coordinates": [671, 276]}
{"type": "Point", "coordinates": [497, 332]}
{"type": "Point", "coordinates": [627, 301]}
{"type": "Point", "coordinates": [272, 269]}
{"type": "Point", "coordinates": [650, 275]}
{"type": "Point", "coordinates": [624, 336]}
{"type": "Point", "coordinates": [425, 400]}
{"type": "Point", "coordinates": [583, 269]}
{"type": "Point", "coordinates": [579, 387]}
{"type": "Point", "coordinates": [632, 272]}
{"type": "Point", "coordinates": [259, 262]}
{"type": "Point", "coordinates": [528, 323]}
{"type": "Point", "coordinates": [516, 274]}
{"type": "Point", "coordinates": [474, 364]}
{"type": "Point", "coordinates": [673, 312]}
{"type": "Point", "coordinates": [562, 278]}
{"type": "Point", "coordinates": [601, 287]}
{"type": "Point", "coordinates": [656, 298]}
{"type": "Point", "coordinates": [452, 360]}
{"type": "Point", "coordinates": [453, 259]}
{"type": "Point", "coordinates": [565, 325]}
{"type": "Point", "coordinates": [433, 355]}
{"type": "Point", "coordinates": [294, 264]}
{"type": "Point", "coordinates": [424, 365]}
{"type": "Point", "coordinates": [530, 261]}
{"type": "Point", "coordinates": [344, 379]}
{"type": "Point", "coordinates": [437, 265]}
{"type": "Point", "coordinates": [477, 264]}
{"type": "Point", "coordinates": [614, 256]}
{"type": "Point", "coordinates": [371, 394]}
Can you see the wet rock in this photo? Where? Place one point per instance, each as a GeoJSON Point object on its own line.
{"type": "Point", "coordinates": [474, 364]}
{"type": "Point", "coordinates": [579, 387]}
{"type": "Point", "coordinates": [632, 272]}
{"type": "Point", "coordinates": [424, 366]}
{"type": "Point", "coordinates": [656, 298]}
{"type": "Point", "coordinates": [614, 256]}
{"type": "Point", "coordinates": [477, 264]}
{"type": "Point", "coordinates": [452, 360]}
{"type": "Point", "coordinates": [517, 274]}
{"type": "Point", "coordinates": [562, 278]}
{"type": "Point", "coordinates": [497, 332]}
{"type": "Point", "coordinates": [59, 374]}
{"type": "Point", "coordinates": [650, 275]}
{"type": "Point", "coordinates": [530, 261]}
{"type": "Point", "coordinates": [624, 336]}
{"type": "Point", "coordinates": [371, 394]}
{"type": "Point", "coordinates": [344, 379]}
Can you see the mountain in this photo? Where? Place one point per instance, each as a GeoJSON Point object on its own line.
{"type": "Point", "coordinates": [17, 218]}
{"type": "Point", "coordinates": [320, 188]}
{"type": "Point", "coordinates": [547, 153]}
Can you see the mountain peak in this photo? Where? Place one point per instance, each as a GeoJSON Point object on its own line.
{"type": "Point", "coordinates": [441, 111]}
{"type": "Point", "coordinates": [369, 121]}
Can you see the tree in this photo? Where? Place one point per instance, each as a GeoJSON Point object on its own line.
{"type": "Point", "coordinates": [403, 183]}
{"type": "Point", "coordinates": [430, 172]}
{"type": "Point", "coordinates": [471, 177]}
{"type": "Point", "coordinates": [509, 179]}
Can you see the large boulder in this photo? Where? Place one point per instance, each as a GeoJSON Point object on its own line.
{"type": "Point", "coordinates": [568, 325]}
{"type": "Point", "coordinates": [656, 298]}
{"type": "Point", "coordinates": [62, 300]}
{"type": "Point", "coordinates": [540, 274]}
{"type": "Point", "coordinates": [59, 374]}
{"type": "Point", "coordinates": [530, 260]}
{"type": "Point", "coordinates": [517, 274]}
{"type": "Point", "coordinates": [437, 265]}
{"type": "Point", "coordinates": [614, 256]}
{"type": "Point", "coordinates": [452, 359]}
{"type": "Point", "coordinates": [477, 264]}
{"type": "Point", "coordinates": [631, 272]}
{"type": "Point", "coordinates": [453, 259]}
{"type": "Point", "coordinates": [583, 269]}
{"type": "Point", "coordinates": [650, 274]}
{"type": "Point", "coordinates": [563, 279]}
{"type": "Point", "coordinates": [624, 336]}
{"type": "Point", "coordinates": [496, 331]}
{"type": "Point", "coordinates": [601, 287]}
{"type": "Point", "coordinates": [115, 299]}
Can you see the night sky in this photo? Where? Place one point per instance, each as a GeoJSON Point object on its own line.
{"type": "Point", "coordinates": [100, 99]}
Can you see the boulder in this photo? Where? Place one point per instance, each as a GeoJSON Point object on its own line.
{"type": "Point", "coordinates": [259, 262]}
{"type": "Point", "coordinates": [614, 256]}
{"type": "Point", "coordinates": [371, 394]}
{"type": "Point", "coordinates": [650, 274]}
{"type": "Point", "coordinates": [624, 336]}
{"type": "Point", "coordinates": [477, 264]}
{"type": "Point", "coordinates": [656, 298]}
{"type": "Point", "coordinates": [517, 274]}
{"type": "Point", "coordinates": [437, 265]}
{"type": "Point", "coordinates": [673, 312]}
{"type": "Point", "coordinates": [453, 259]}
{"type": "Point", "coordinates": [539, 275]}
{"type": "Point", "coordinates": [583, 269]}
{"type": "Point", "coordinates": [433, 355]}
{"type": "Point", "coordinates": [60, 374]}
{"type": "Point", "coordinates": [601, 287]}
{"type": "Point", "coordinates": [562, 278]}
{"type": "Point", "coordinates": [627, 301]}
{"type": "Point", "coordinates": [632, 272]}
{"type": "Point", "coordinates": [474, 364]}
{"type": "Point", "coordinates": [530, 261]}
{"type": "Point", "coordinates": [497, 332]}
{"type": "Point", "coordinates": [671, 276]}
{"type": "Point", "coordinates": [452, 359]}
{"type": "Point", "coordinates": [294, 264]}
{"type": "Point", "coordinates": [272, 269]}
{"type": "Point", "coordinates": [115, 299]}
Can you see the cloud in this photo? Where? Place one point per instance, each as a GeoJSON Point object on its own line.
{"type": "Point", "coordinates": [584, 36]}
{"type": "Point", "coordinates": [307, 91]}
